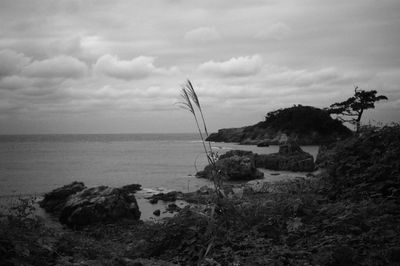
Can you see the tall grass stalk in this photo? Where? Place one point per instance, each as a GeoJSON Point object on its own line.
{"type": "Point", "coordinates": [190, 100]}
{"type": "Point", "coordinates": [187, 105]}
{"type": "Point", "coordinates": [193, 95]}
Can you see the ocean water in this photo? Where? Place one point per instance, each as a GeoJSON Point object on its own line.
{"type": "Point", "coordinates": [34, 164]}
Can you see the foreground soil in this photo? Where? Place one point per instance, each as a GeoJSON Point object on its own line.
{"type": "Point", "coordinates": [347, 215]}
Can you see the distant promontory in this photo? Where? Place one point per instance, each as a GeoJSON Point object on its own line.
{"type": "Point", "coordinates": [306, 125]}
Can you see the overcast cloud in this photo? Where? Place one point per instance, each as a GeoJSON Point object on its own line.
{"type": "Point", "coordinates": [70, 66]}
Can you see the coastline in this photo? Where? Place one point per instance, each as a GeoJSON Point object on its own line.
{"type": "Point", "coordinates": [344, 214]}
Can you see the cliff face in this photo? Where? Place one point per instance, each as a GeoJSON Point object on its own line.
{"type": "Point", "coordinates": [304, 124]}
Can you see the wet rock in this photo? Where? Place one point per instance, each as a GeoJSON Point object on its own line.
{"type": "Point", "coordinates": [55, 200]}
{"type": "Point", "coordinates": [170, 196]}
{"type": "Point", "coordinates": [99, 204]}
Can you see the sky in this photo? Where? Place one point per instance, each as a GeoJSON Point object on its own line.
{"type": "Point", "coordinates": [71, 66]}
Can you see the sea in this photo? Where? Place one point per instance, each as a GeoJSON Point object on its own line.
{"type": "Point", "coordinates": [31, 165]}
{"type": "Point", "coordinates": [36, 164]}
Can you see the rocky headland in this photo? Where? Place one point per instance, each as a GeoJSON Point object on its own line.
{"type": "Point", "coordinates": [304, 124]}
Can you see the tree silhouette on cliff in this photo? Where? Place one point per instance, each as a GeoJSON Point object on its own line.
{"type": "Point", "coordinates": [352, 109]}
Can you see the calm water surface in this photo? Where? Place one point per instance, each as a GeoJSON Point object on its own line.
{"type": "Point", "coordinates": [33, 164]}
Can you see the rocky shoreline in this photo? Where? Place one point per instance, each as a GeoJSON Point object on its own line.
{"type": "Point", "coordinates": [345, 214]}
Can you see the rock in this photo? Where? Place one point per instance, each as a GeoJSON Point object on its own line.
{"type": "Point", "coordinates": [157, 212]}
{"type": "Point", "coordinates": [99, 204]}
{"type": "Point", "coordinates": [172, 207]}
{"type": "Point", "coordinates": [54, 201]}
{"type": "Point", "coordinates": [290, 157]}
{"type": "Point", "coordinates": [239, 153]}
{"type": "Point", "coordinates": [324, 157]}
{"type": "Point", "coordinates": [170, 196]}
{"type": "Point", "coordinates": [264, 143]}
{"type": "Point", "coordinates": [289, 148]}
{"type": "Point", "coordinates": [234, 165]}
{"type": "Point", "coordinates": [249, 142]}
{"type": "Point", "coordinates": [227, 135]}
{"type": "Point", "coordinates": [132, 188]}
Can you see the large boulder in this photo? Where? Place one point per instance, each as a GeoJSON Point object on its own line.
{"type": "Point", "coordinates": [234, 165]}
{"type": "Point", "coordinates": [99, 204]}
{"type": "Point", "coordinates": [290, 157]}
{"type": "Point", "coordinates": [78, 206]}
{"type": "Point", "coordinates": [54, 201]}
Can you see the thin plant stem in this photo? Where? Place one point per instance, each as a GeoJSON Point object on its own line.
{"type": "Point", "coordinates": [189, 95]}
{"type": "Point", "coordinates": [193, 95]}
{"type": "Point", "coordinates": [187, 104]}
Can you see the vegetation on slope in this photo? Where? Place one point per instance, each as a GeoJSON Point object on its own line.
{"type": "Point", "coordinates": [304, 124]}
{"type": "Point", "coordinates": [302, 120]}
{"type": "Point", "coordinates": [366, 166]}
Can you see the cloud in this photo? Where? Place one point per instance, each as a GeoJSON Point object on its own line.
{"type": "Point", "coordinates": [136, 68]}
{"type": "Point", "coordinates": [236, 66]}
{"type": "Point", "coordinates": [277, 31]}
{"type": "Point", "coordinates": [297, 60]}
{"type": "Point", "coordinates": [13, 83]}
{"type": "Point", "coordinates": [57, 67]}
{"type": "Point", "coordinates": [11, 62]}
{"type": "Point", "coordinates": [306, 78]}
{"type": "Point", "coordinates": [202, 35]}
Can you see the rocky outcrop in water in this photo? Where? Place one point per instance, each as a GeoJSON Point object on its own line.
{"type": "Point", "coordinates": [234, 165]}
{"type": "Point", "coordinates": [242, 165]}
{"type": "Point", "coordinates": [304, 124]}
{"type": "Point", "coordinates": [78, 206]}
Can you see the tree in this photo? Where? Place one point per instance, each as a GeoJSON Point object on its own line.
{"type": "Point", "coordinates": [353, 108]}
